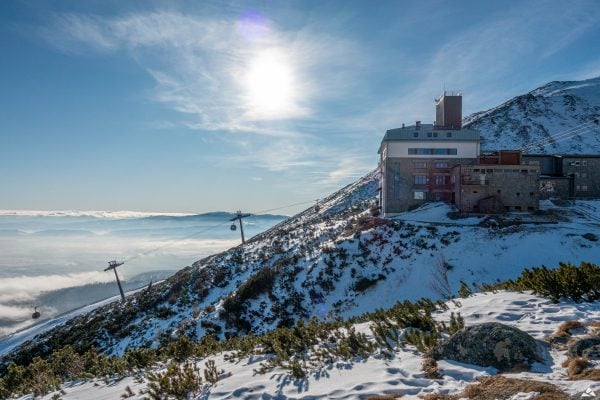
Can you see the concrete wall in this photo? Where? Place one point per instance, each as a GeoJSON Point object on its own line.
{"type": "Point", "coordinates": [586, 172]}
{"type": "Point", "coordinates": [552, 187]}
{"type": "Point", "coordinates": [513, 187]}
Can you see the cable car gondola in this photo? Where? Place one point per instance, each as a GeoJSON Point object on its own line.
{"type": "Point", "coordinates": [36, 314]}
{"type": "Point", "coordinates": [233, 227]}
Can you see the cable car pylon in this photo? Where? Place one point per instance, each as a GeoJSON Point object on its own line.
{"type": "Point", "coordinates": [113, 265]}
{"type": "Point", "coordinates": [239, 217]}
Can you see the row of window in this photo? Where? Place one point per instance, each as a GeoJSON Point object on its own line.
{"type": "Point", "coordinates": [426, 152]}
{"type": "Point", "coordinates": [578, 163]}
{"type": "Point", "coordinates": [437, 164]}
{"type": "Point", "coordinates": [506, 171]}
{"type": "Point", "coordinates": [582, 188]}
{"type": "Point", "coordinates": [500, 191]}
{"type": "Point", "coordinates": [439, 179]}
{"type": "Point", "coordinates": [433, 134]}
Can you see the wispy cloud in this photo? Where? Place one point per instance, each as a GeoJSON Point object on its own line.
{"type": "Point", "coordinates": [200, 66]}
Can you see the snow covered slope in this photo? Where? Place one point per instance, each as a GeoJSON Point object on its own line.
{"type": "Point", "coordinates": [329, 262]}
{"type": "Point", "coordinates": [399, 374]}
{"type": "Point", "coordinates": [559, 117]}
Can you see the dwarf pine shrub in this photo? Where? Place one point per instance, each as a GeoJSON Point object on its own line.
{"type": "Point", "coordinates": [567, 282]}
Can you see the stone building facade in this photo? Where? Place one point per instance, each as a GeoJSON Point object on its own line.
{"type": "Point", "coordinates": [567, 176]}
{"type": "Point", "coordinates": [491, 189]}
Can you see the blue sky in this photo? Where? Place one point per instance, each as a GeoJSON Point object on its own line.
{"type": "Point", "coordinates": [197, 106]}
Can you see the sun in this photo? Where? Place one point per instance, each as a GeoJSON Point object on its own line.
{"type": "Point", "coordinates": [270, 85]}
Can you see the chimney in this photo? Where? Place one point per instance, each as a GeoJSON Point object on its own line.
{"type": "Point", "coordinates": [403, 124]}
{"type": "Point", "coordinates": [418, 124]}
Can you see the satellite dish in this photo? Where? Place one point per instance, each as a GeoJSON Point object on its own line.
{"type": "Point", "coordinates": [36, 314]}
{"type": "Point", "coordinates": [233, 227]}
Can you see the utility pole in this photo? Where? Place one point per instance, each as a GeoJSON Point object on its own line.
{"type": "Point", "coordinates": [239, 217]}
{"type": "Point", "coordinates": [113, 265]}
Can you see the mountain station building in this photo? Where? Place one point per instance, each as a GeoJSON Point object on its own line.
{"type": "Point", "coordinates": [443, 162]}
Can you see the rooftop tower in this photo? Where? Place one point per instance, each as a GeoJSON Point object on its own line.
{"type": "Point", "coordinates": [448, 110]}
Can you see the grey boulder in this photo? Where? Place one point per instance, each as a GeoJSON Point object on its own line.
{"type": "Point", "coordinates": [490, 344]}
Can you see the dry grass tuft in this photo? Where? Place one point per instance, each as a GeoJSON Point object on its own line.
{"type": "Point", "coordinates": [589, 374]}
{"type": "Point", "coordinates": [499, 387]}
{"type": "Point", "coordinates": [430, 368]}
{"type": "Point", "coordinates": [563, 333]}
{"type": "Point", "coordinates": [577, 369]}
{"type": "Point", "coordinates": [567, 326]}
{"type": "Point", "coordinates": [575, 366]}
{"type": "Point", "coordinates": [437, 396]}
{"type": "Point", "coordinates": [389, 396]}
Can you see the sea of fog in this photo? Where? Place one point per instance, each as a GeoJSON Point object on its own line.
{"type": "Point", "coordinates": [55, 260]}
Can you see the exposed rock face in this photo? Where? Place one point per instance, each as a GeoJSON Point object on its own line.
{"type": "Point", "coordinates": [490, 344]}
{"type": "Point", "coordinates": [579, 347]}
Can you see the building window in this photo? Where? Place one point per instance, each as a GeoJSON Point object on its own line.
{"type": "Point", "coordinates": [428, 151]}
{"type": "Point", "coordinates": [416, 134]}
{"type": "Point", "coordinates": [531, 193]}
{"type": "Point", "coordinates": [584, 188]}
{"type": "Point", "coordinates": [440, 180]}
{"type": "Point", "coordinates": [448, 134]}
{"type": "Point", "coordinates": [441, 164]}
{"type": "Point", "coordinates": [584, 163]}
{"type": "Point", "coordinates": [420, 164]}
{"type": "Point", "coordinates": [435, 134]}
{"type": "Point", "coordinates": [453, 179]}
{"type": "Point", "coordinates": [518, 194]}
{"type": "Point", "coordinates": [419, 195]}
{"type": "Point", "coordinates": [420, 179]}
{"type": "Point", "coordinates": [428, 134]}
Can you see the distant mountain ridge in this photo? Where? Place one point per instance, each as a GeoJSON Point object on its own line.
{"type": "Point", "coordinates": [558, 117]}
{"type": "Point", "coordinates": [123, 214]}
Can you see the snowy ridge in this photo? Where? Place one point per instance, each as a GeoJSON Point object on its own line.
{"type": "Point", "coordinates": [559, 117]}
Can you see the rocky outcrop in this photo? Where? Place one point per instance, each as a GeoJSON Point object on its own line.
{"type": "Point", "coordinates": [490, 344]}
{"type": "Point", "coordinates": [580, 347]}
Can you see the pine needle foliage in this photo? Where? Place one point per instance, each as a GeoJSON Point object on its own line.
{"type": "Point", "coordinates": [568, 281]}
